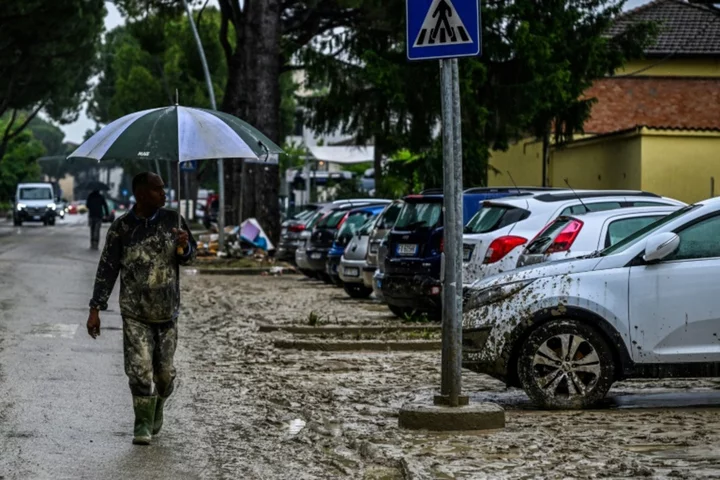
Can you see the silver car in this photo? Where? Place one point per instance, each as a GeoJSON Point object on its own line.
{"type": "Point", "coordinates": [385, 223]}
{"type": "Point", "coordinates": [354, 260]}
{"type": "Point", "coordinates": [571, 236]}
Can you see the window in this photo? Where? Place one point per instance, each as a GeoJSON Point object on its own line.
{"type": "Point", "coordinates": [419, 215]}
{"type": "Point", "coordinates": [623, 228]}
{"type": "Point", "coordinates": [368, 226]}
{"type": "Point", "coordinates": [352, 224]}
{"type": "Point", "coordinates": [493, 217]}
{"type": "Point", "coordinates": [545, 239]}
{"type": "Point", "coordinates": [332, 220]}
{"type": "Point", "coordinates": [36, 193]}
{"type": "Point", "coordinates": [627, 242]}
{"type": "Point", "coordinates": [592, 207]}
{"type": "Point", "coordinates": [649, 204]}
{"type": "Point", "coordinates": [699, 240]}
{"type": "Point", "coordinates": [389, 217]}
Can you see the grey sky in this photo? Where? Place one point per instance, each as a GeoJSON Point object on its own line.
{"type": "Point", "coordinates": [75, 131]}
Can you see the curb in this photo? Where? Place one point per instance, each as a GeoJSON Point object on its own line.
{"type": "Point", "coordinates": [341, 330]}
{"type": "Point", "coordinates": [350, 346]}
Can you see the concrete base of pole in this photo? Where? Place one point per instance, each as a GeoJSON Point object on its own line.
{"type": "Point", "coordinates": [478, 416]}
{"type": "Point", "coordinates": [444, 400]}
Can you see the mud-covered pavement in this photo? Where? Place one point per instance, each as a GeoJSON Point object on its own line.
{"type": "Point", "coordinates": [348, 404]}
{"type": "Point", "coordinates": [245, 410]}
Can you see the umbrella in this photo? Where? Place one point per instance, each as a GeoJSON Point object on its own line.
{"type": "Point", "coordinates": [94, 185]}
{"type": "Point", "coordinates": [176, 134]}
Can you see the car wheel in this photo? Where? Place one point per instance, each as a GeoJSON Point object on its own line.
{"type": "Point", "coordinates": [400, 312]}
{"type": "Point", "coordinates": [565, 364]}
{"type": "Point", "coordinates": [357, 291]}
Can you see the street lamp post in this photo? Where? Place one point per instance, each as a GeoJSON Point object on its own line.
{"type": "Point", "coordinates": [211, 94]}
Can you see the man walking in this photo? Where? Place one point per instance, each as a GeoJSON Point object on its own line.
{"type": "Point", "coordinates": [97, 209]}
{"type": "Point", "coordinates": [146, 249]}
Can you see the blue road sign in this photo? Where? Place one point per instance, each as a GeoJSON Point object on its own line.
{"type": "Point", "coordinates": [442, 29]}
{"type": "Point", "coordinates": [189, 166]}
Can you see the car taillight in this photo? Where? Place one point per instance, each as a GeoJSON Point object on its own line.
{"type": "Point", "coordinates": [564, 240]}
{"type": "Point", "coordinates": [297, 228]}
{"type": "Point", "coordinates": [502, 246]}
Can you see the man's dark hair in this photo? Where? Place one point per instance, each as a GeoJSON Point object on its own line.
{"type": "Point", "coordinates": [141, 180]}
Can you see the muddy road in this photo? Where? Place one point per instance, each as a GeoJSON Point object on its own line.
{"type": "Point", "coordinates": [244, 409]}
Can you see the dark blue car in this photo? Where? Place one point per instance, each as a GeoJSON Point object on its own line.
{"type": "Point", "coordinates": [411, 282]}
{"type": "Point", "coordinates": [354, 220]}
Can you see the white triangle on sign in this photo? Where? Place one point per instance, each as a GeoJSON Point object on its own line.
{"type": "Point", "coordinates": [442, 26]}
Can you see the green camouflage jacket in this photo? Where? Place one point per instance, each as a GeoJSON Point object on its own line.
{"type": "Point", "coordinates": [143, 252]}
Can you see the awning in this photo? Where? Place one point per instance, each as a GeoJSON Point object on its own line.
{"type": "Point", "coordinates": [343, 155]}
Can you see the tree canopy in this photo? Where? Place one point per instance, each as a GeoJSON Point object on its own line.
{"type": "Point", "coordinates": [47, 52]}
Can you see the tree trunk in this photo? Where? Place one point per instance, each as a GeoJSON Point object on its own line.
{"type": "Point", "coordinates": [253, 94]}
{"type": "Point", "coordinates": [378, 173]}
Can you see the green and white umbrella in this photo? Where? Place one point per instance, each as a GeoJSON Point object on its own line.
{"type": "Point", "coordinates": [177, 134]}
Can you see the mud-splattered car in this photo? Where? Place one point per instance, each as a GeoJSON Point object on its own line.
{"type": "Point", "coordinates": [647, 307]}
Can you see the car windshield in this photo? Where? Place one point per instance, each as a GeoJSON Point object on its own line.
{"type": "Point", "coordinates": [368, 226]}
{"type": "Point", "coordinates": [419, 215]}
{"type": "Point", "coordinates": [314, 220]}
{"type": "Point", "coordinates": [353, 224]}
{"type": "Point", "coordinates": [35, 193]}
{"type": "Point", "coordinates": [492, 217]}
{"type": "Point", "coordinates": [624, 244]}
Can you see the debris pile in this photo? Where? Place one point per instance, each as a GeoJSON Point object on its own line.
{"type": "Point", "coordinates": [247, 240]}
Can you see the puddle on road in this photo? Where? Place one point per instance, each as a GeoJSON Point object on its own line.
{"type": "Point", "coordinates": [54, 330]}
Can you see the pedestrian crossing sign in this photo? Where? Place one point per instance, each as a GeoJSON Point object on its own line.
{"type": "Point", "coordinates": [442, 29]}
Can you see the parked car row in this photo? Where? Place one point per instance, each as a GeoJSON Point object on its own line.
{"type": "Point", "coordinates": [565, 292]}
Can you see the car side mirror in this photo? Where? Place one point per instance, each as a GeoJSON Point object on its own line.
{"type": "Point", "coordinates": [660, 246]}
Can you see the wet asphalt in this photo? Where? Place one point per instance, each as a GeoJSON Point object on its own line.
{"type": "Point", "coordinates": [65, 407]}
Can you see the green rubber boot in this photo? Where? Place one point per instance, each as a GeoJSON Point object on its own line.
{"type": "Point", "coordinates": [144, 419]}
{"type": "Point", "coordinates": [158, 423]}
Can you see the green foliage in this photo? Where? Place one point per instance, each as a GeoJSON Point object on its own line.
{"type": "Point", "coordinates": [538, 58]}
{"type": "Point", "coordinates": [19, 164]}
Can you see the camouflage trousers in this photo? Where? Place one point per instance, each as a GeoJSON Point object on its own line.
{"type": "Point", "coordinates": [149, 350]}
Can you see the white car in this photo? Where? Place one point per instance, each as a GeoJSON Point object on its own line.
{"type": "Point", "coordinates": [497, 234]}
{"type": "Point", "coordinates": [570, 236]}
{"type": "Point", "coordinates": [647, 307]}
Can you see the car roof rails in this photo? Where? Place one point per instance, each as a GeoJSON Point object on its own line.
{"type": "Point", "coordinates": [569, 195]}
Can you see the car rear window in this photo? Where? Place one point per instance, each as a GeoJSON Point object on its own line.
{"type": "Point", "coordinates": [314, 220]}
{"type": "Point", "coordinates": [492, 217]}
{"type": "Point", "coordinates": [332, 220]}
{"type": "Point", "coordinates": [419, 215]}
{"type": "Point", "coordinates": [546, 237]}
{"type": "Point", "coordinates": [353, 223]}
{"type": "Point", "coordinates": [390, 216]}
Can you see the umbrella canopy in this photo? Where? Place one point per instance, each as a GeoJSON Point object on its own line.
{"type": "Point", "coordinates": [176, 134]}
{"type": "Point", "coordinates": [94, 185]}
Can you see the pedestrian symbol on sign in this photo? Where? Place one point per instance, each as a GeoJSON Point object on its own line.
{"type": "Point", "coordinates": [442, 26]}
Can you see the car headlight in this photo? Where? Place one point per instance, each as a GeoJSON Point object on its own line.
{"type": "Point", "coordinates": [486, 296]}
{"type": "Point", "coordinates": [21, 206]}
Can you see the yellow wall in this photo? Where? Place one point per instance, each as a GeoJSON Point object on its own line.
{"type": "Point", "coordinates": [681, 164]}
{"type": "Point", "coordinates": [675, 67]}
{"type": "Point", "coordinates": [604, 163]}
{"type": "Point", "coordinates": [524, 162]}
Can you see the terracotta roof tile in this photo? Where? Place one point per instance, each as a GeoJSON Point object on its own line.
{"type": "Point", "coordinates": [685, 28]}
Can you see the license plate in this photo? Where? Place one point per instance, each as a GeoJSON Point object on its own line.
{"type": "Point", "coordinates": [467, 252]}
{"type": "Point", "coordinates": [316, 256]}
{"type": "Point", "coordinates": [406, 249]}
{"type": "Point", "coordinates": [352, 271]}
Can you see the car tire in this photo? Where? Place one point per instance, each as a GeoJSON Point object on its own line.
{"type": "Point", "coordinates": [357, 291]}
{"type": "Point", "coordinates": [554, 380]}
{"type": "Point", "coordinates": [400, 312]}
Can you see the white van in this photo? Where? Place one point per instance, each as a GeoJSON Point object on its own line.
{"type": "Point", "coordinates": [34, 202]}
